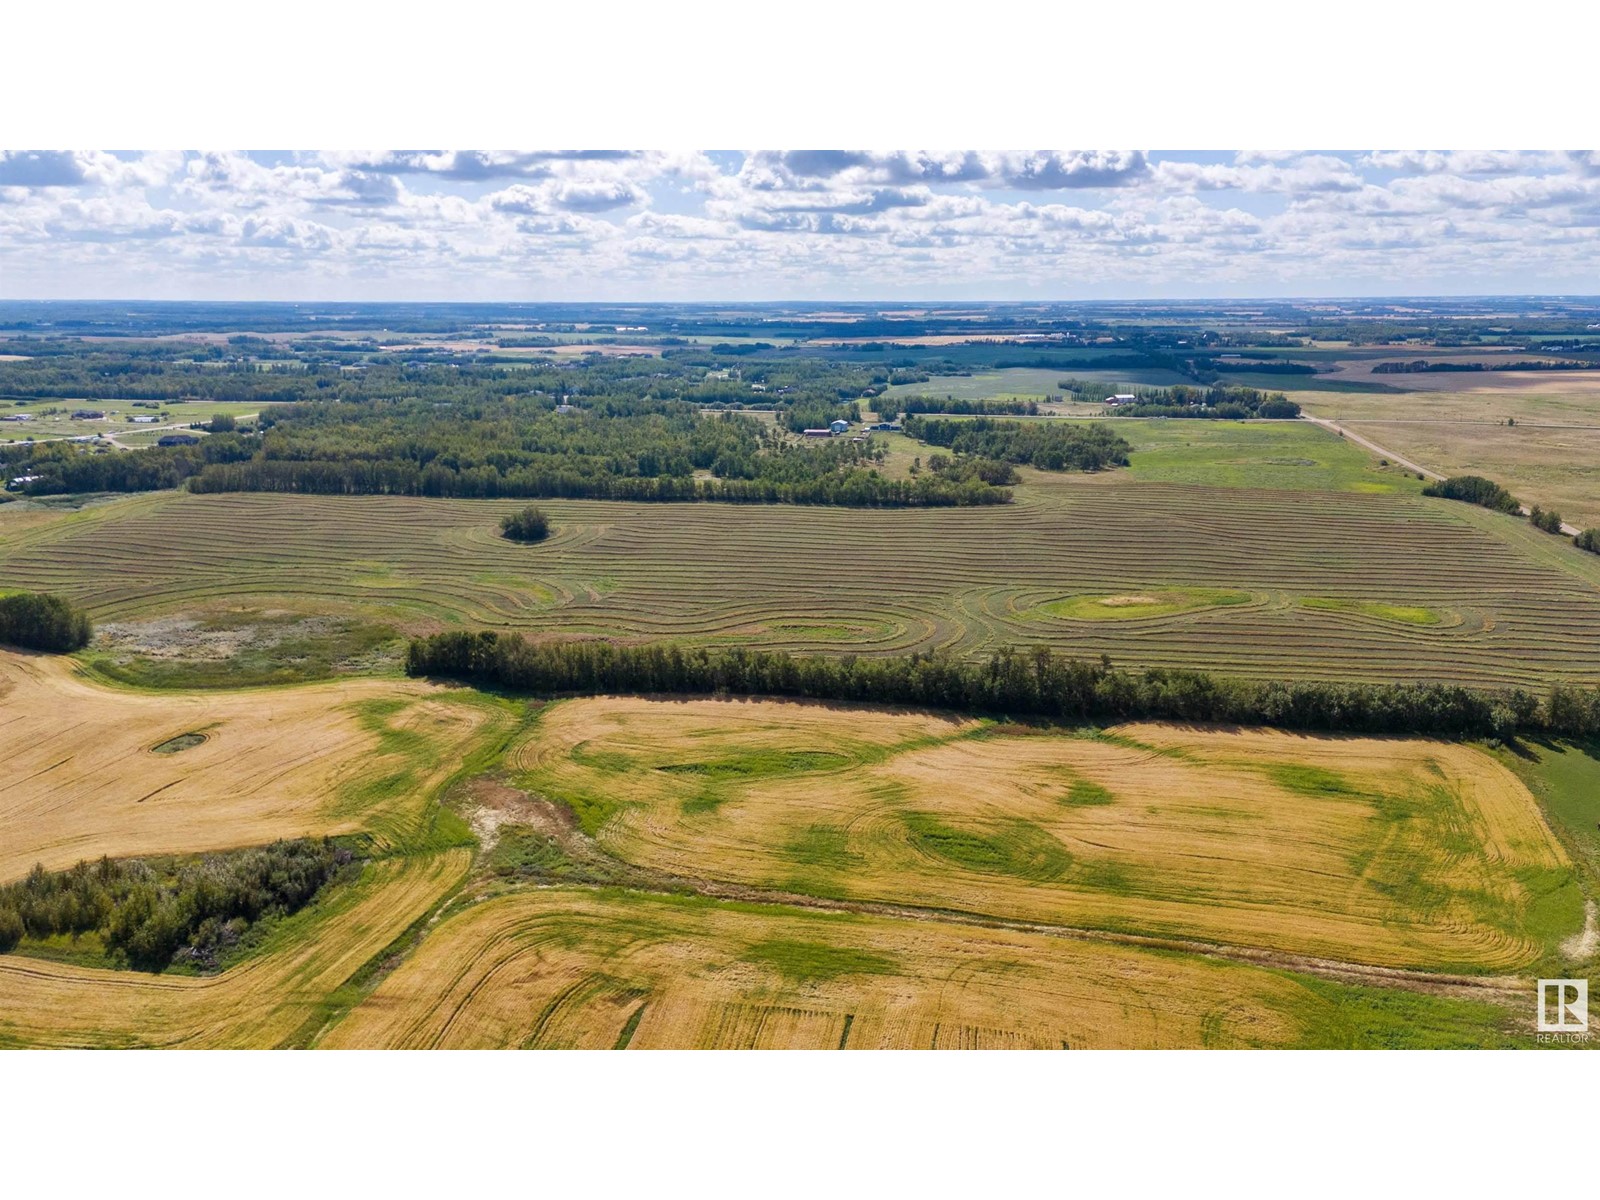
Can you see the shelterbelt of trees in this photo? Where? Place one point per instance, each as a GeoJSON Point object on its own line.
{"type": "Point", "coordinates": [1029, 683]}
{"type": "Point", "coordinates": [1050, 447]}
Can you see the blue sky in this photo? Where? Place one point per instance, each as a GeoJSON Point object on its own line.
{"type": "Point", "coordinates": [755, 225]}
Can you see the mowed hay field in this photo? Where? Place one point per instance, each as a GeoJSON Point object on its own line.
{"type": "Point", "coordinates": [1394, 852]}
{"type": "Point", "coordinates": [1550, 457]}
{"type": "Point", "coordinates": [864, 581]}
{"type": "Point", "coordinates": [80, 776]}
{"type": "Point", "coordinates": [575, 969]}
{"type": "Point", "coordinates": [281, 995]}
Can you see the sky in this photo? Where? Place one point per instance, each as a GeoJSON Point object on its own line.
{"type": "Point", "coordinates": [794, 225]}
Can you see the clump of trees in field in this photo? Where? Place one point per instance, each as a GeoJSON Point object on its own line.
{"type": "Point", "coordinates": [41, 621]}
{"type": "Point", "coordinates": [1588, 540]}
{"type": "Point", "coordinates": [1475, 489]}
{"type": "Point", "coordinates": [527, 525]}
{"type": "Point", "coordinates": [154, 914]}
{"type": "Point", "coordinates": [1050, 446]}
{"type": "Point", "coordinates": [1036, 682]}
{"type": "Point", "coordinates": [1545, 519]}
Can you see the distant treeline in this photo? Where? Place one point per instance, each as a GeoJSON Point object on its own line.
{"type": "Point", "coordinates": [1048, 445]}
{"type": "Point", "coordinates": [857, 488]}
{"type": "Point", "coordinates": [41, 621]}
{"type": "Point", "coordinates": [1216, 403]}
{"type": "Point", "coordinates": [1274, 367]}
{"type": "Point", "coordinates": [1181, 400]}
{"type": "Point", "coordinates": [1422, 365]}
{"type": "Point", "coordinates": [151, 915]}
{"type": "Point", "coordinates": [950, 406]}
{"type": "Point", "coordinates": [1032, 683]}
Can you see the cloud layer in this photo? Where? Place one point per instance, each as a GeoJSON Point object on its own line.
{"type": "Point", "coordinates": [583, 224]}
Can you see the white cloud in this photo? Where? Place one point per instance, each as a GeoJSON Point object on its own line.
{"type": "Point", "coordinates": [509, 224]}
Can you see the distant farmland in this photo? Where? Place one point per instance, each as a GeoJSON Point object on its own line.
{"type": "Point", "coordinates": [1502, 607]}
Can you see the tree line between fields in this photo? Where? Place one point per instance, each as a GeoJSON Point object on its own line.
{"type": "Point", "coordinates": [1011, 683]}
{"type": "Point", "coordinates": [154, 914]}
{"type": "Point", "coordinates": [1047, 445]}
{"type": "Point", "coordinates": [1475, 489]}
{"type": "Point", "coordinates": [1216, 403]}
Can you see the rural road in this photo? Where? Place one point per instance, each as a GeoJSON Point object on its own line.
{"type": "Point", "coordinates": [1351, 435]}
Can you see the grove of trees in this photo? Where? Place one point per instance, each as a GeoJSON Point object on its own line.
{"type": "Point", "coordinates": [42, 621]}
{"type": "Point", "coordinates": [151, 915]}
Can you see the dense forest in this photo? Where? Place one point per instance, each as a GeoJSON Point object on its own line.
{"type": "Point", "coordinates": [1030, 683]}
{"type": "Point", "coordinates": [154, 914]}
{"type": "Point", "coordinates": [604, 429]}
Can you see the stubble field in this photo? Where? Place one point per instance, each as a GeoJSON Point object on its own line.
{"type": "Point", "coordinates": [1404, 853]}
{"type": "Point", "coordinates": [89, 771]}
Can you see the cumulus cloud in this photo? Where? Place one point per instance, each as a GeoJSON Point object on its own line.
{"type": "Point", "coordinates": [508, 224]}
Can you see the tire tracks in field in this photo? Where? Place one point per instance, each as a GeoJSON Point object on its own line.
{"type": "Point", "coordinates": [558, 823]}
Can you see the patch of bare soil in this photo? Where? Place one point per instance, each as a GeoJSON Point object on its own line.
{"type": "Point", "coordinates": [202, 639]}
{"type": "Point", "coordinates": [1581, 947]}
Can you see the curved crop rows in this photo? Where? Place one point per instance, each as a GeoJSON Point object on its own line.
{"type": "Point", "coordinates": [875, 582]}
{"type": "Point", "coordinates": [569, 968]}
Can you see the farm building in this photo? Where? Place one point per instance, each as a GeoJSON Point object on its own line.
{"type": "Point", "coordinates": [1121, 398]}
{"type": "Point", "coordinates": [144, 420]}
{"type": "Point", "coordinates": [838, 426]}
{"type": "Point", "coordinates": [88, 414]}
{"type": "Point", "coordinates": [887, 426]}
{"type": "Point", "coordinates": [18, 482]}
{"type": "Point", "coordinates": [817, 433]}
{"type": "Point", "coordinates": [177, 439]}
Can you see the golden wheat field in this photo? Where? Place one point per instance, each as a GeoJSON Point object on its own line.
{"type": "Point", "coordinates": [284, 991]}
{"type": "Point", "coordinates": [576, 969]}
{"type": "Point", "coordinates": [1385, 851]}
{"type": "Point", "coordinates": [80, 775]}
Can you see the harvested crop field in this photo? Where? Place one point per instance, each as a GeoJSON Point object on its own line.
{"type": "Point", "coordinates": [281, 995]}
{"type": "Point", "coordinates": [87, 770]}
{"type": "Point", "coordinates": [577, 969]}
{"type": "Point", "coordinates": [1394, 852]}
{"type": "Point", "coordinates": [866, 581]}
